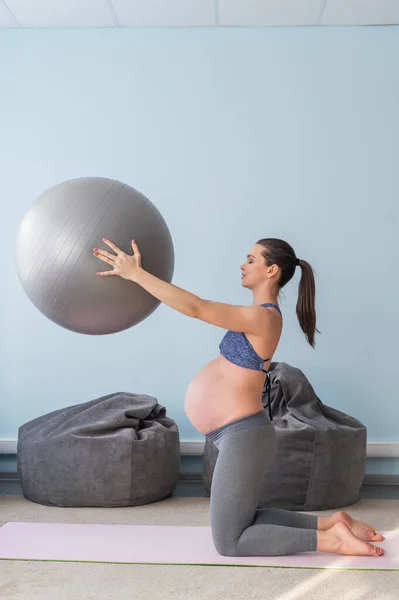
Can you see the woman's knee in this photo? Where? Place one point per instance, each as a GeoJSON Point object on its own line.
{"type": "Point", "coordinates": [225, 547]}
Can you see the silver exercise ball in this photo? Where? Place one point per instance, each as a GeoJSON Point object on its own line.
{"type": "Point", "coordinates": [55, 261]}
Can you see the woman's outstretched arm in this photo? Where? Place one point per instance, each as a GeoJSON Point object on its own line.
{"type": "Point", "coordinates": [247, 319]}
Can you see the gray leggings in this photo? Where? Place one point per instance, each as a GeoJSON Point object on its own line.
{"type": "Point", "coordinates": [246, 450]}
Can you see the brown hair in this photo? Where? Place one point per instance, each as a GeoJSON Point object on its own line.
{"type": "Point", "coordinates": [277, 252]}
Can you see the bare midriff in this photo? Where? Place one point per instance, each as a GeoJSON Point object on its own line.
{"type": "Point", "coordinates": [222, 392]}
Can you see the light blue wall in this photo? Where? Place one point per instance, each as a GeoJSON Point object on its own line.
{"type": "Point", "coordinates": [234, 135]}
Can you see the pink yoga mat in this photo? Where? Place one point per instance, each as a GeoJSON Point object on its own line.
{"type": "Point", "coordinates": [163, 545]}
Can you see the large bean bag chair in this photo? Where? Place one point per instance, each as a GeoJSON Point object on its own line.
{"type": "Point", "coordinates": [118, 450]}
{"type": "Point", "coordinates": [321, 452]}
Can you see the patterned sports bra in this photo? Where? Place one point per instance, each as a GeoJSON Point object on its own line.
{"type": "Point", "coordinates": [238, 350]}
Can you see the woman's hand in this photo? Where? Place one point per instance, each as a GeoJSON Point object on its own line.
{"type": "Point", "coordinates": [125, 265]}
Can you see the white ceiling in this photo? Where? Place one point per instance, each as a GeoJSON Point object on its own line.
{"type": "Point", "coordinates": [195, 13]}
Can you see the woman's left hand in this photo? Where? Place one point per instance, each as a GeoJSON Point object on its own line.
{"type": "Point", "coordinates": [125, 265]}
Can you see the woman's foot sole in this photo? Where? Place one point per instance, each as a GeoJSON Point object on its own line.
{"type": "Point", "coordinates": [340, 540]}
{"type": "Point", "coordinates": [358, 528]}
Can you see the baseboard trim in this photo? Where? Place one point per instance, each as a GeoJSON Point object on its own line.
{"type": "Point", "coordinates": [187, 448]}
{"type": "Point", "coordinates": [197, 477]}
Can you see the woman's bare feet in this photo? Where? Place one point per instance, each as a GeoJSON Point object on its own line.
{"type": "Point", "coordinates": [358, 528]}
{"type": "Point", "coordinates": [340, 540]}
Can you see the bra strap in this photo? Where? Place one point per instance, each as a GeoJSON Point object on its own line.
{"type": "Point", "coordinates": [266, 390]}
{"type": "Point", "coordinates": [266, 304]}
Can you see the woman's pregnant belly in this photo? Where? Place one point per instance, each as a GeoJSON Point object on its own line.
{"type": "Point", "coordinates": [222, 392]}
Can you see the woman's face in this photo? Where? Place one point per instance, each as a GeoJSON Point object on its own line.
{"type": "Point", "coordinates": [254, 270]}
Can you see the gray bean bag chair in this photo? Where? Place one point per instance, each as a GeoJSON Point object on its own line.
{"type": "Point", "coordinates": [118, 450]}
{"type": "Point", "coordinates": [321, 452]}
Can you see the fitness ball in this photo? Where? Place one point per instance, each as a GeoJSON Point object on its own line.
{"type": "Point", "coordinates": [55, 262]}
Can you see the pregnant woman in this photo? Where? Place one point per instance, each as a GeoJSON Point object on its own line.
{"type": "Point", "coordinates": [224, 402]}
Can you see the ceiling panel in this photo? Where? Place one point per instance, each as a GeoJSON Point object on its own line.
{"type": "Point", "coordinates": [6, 18]}
{"type": "Point", "coordinates": [361, 12]}
{"type": "Point", "coordinates": [63, 13]}
{"type": "Point", "coordinates": [165, 13]}
{"type": "Point", "coordinates": [191, 13]}
{"type": "Point", "coordinates": [269, 12]}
